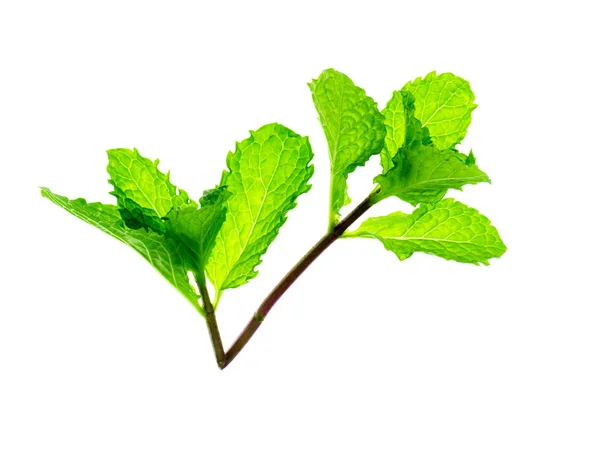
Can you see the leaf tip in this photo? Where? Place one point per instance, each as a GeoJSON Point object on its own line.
{"type": "Point", "coordinates": [44, 191]}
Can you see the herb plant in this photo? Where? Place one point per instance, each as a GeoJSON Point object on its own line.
{"type": "Point", "coordinates": [223, 237]}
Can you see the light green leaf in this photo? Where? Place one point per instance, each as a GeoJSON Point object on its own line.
{"type": "Point", "coordinates": [443, 105]}
{"type": "Point", "coordinates": [144, 194]}
{"type": "Point", "coordinates": [353, 127]}
{"type": "Point", "coordinates": [395, 114]}
{"type": "Point", "coordinates": [164, 254]}
{"type": "Point", "coordinates": [197, 228]}
{"type": "Point", "coordinates": [447, 229]}
{"type": "Point", "coordinates": [423, 174]}
{"type": "Point", "coordinates": [267, 172]}
{"type": "Point", "coordinates": [403, 130]}
{"type": "Point", "coordinates": [413, 168]}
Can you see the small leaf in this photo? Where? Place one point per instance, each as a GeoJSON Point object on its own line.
{"type": "Point", "coordinates": [443, 105]}
{"type": "Point", "coordinates": [266, 174]}
{"type": "Point", "coordinates": [447, 229]}
{"type": "Point", "coordinates": [197, 228]}
{"type": "Point", "coordinates": [144, 194]}
{"type": "Point", "coordinates": [165, 255]}
{"type": "Point", "coordinates": [403, 130]}
{"type": "Point", "coordinates": [423, 174]}
{"type": "Point", "coordinates": [413, 168]}
{"type": "Point", "coordinates": [395, 124]}
{"type": "Point", "coordinates": [353, 127]}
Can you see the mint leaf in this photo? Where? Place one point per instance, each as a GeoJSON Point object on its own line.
{"type": "Point", "coordinates": [423, 174]}
{"type": "Point", "coordinates": [165, 255]}
{"type": "Point", "coordinates": [144, 194]}
{"type": "Point", "coordinates": [443, 105]}
{"type": "Point", "coordinates": [403, 130]}
{"type": "Point", "coordinates": [197, 229]}
{"type": "Point", "coordinates": [447, 229]}
{"type": "Point", "coordinates": [395, 117]}
{"type": "Point", "coordinates": [353, 127]}
{"type": "Point", "coordinates": [266, 174]}
{"type": "Point", "coordinates": [413, 168]}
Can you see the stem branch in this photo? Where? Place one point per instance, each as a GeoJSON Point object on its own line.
{"type": "Point", "coordinates": [268, 303]}
{"type": "Point", "coordinates": [211, 323]}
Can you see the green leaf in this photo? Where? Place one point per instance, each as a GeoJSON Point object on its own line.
{"type": "Point", "coordinates": [413, 168]}
{"type": "Point", "coordinates": [144, 194]}
{"type": "Point", "coordinates": [443, 105]}
{"type": "Point", "coordinates": [423, 174]}
{"type": "Point", "coordinates": [353, 127]}
{"type": "Point", "coordinates": [197, 228]}
{"type": "Point", "coordinates": [267, 172]}
{"type": "Point", "coordinates": [403, 130]}
{"type": "Point", "coordinates": [395, 114]}
{"type": "Point", "coordinates": [447, 229]}
{"type": "Point", "coordinates": [165, 255]}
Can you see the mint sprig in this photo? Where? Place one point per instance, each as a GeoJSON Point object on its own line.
{"type": "Point", "coordinates": [222, 237]}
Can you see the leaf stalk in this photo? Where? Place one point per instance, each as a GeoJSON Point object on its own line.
{"type": "Point", "coordinates": [211, 322]}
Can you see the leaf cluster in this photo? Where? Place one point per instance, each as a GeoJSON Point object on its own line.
{"type": "Point", "coordinates": [223, 236]}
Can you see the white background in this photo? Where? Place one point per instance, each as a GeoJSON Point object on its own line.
{"type": "Point", "coordinates": [97, 351]}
